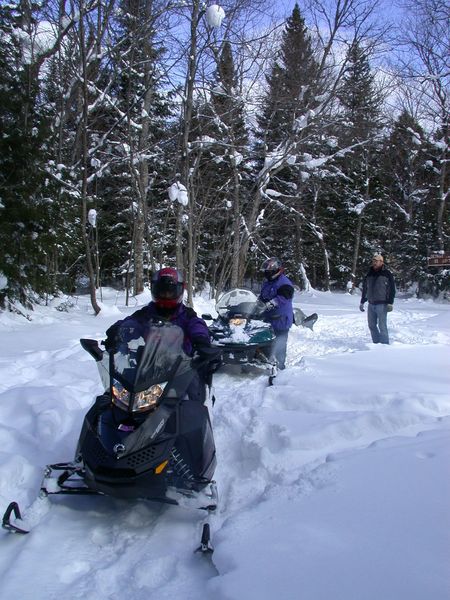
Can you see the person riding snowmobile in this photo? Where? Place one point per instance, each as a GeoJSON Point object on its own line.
{"type": "Point", "coordinates": [167, 288]}
{"type": "Point", "coordinates": [276, 293]}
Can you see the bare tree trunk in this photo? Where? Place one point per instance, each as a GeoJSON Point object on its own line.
{"type": "Point", "coordinates": [139, 252]}
{"type": "Point", "coordinates": [179, 237]}
{"type": "Point", "coordinates": [142, 174]}
{"type": "Point", "coordinates": [84, 167]}
{"type": "Point", "coordinates": [304, 278]}
{"type": "Point", "coordinates": [443, 193]}
{"type": "Point", "coordinates": [236, 277]}
{"type": "Point", "coordinates": [326, 261]}
{"type": "Point", "coordinates": [187, 125]}
{"type": "Point", "coordinates": [356, 246]}
{"type": "Point", "coordinates": [190, 249]}
{"type": "Point", "coordinates": [358, 230]}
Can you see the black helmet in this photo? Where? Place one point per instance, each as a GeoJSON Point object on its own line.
{"type": "Point", "coordinates": [272, 267]}
{"type": "Point", "coordinates": [167, 287]}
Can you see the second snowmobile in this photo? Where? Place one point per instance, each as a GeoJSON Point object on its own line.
{"type": "Point", "coordinates": [241, 332]}
{"type": "Point", "coordinates": [244, 336]}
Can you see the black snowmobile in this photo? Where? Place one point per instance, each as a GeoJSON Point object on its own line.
{"type": "Point", "coordinates": [143, 439]}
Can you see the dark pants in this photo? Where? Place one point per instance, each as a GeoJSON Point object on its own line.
{"type": "Point", "coordinates": [377, 321]}
{"type": "Point", "coordinates": [279, 347]}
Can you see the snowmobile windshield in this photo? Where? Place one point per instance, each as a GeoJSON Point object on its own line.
{"type": "Point", "coordinates": [145, 358]}
{"type": "Point", "coordinates": [239, 302]}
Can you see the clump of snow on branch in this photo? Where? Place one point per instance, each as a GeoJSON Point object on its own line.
{"type": "Point", "coordinates": [214, 15]}
{"type": "Point", "coordinates": [3, 281]}
{"type": "Point", "coordinates": [178, 193]}
{"type": "Point", "coordinates": [236, 158]}
{"type": "Point", "coordinates": [273, 193]}
{"type": "Point", "coordinates": [92, 217]}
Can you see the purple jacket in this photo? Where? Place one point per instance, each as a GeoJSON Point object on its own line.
{"type": "Point", "coordinates": [195, 328]}
{"type": "Point", "coordinates": [280, 290]}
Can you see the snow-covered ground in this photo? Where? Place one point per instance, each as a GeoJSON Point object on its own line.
{"type": "Point", "coordinates": [334, 483]}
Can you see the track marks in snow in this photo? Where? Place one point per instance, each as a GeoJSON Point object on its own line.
{"type": "Point", "coordinates": [349, 333]}
{"type": "Point", "coordinates": [290, 435]}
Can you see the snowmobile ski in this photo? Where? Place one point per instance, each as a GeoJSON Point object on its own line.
{"type": "Point", "coordinates": [6, 524]}
{"type": "Point", "coordinates": [24, 523]}
{"type": "Point", "coordinates": [205, 543]}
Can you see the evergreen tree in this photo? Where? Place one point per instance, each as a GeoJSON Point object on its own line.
{"type": "Point", "coordinates": [26, 230]}
{"type": "Point", "coordinates": [148, 110]}
{"type": "Point", "coordinates": [127, 130]}
{"type": "Point", "coordinates": [292, 83]}
{"type": "Point", "coordinates": [406, 178]}
{"type": "Point", "coordinates": [358, 187]}
{"type": "Point", "coordinates": [219, 142]}
{"type": "Point", "coordinates": [358, 98]}
{"type": "Point", "coordinates": [294, 86]}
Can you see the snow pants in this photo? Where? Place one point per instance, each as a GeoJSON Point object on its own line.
{"type": "Point", "coordinates": [279, 348]}
{"type": "Point", "coordinates": [377, 321]}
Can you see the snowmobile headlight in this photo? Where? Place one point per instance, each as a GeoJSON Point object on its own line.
{"type": "Point", "coordinates": [120, 395]}
{"type": "Point", "coordinates": [143, 401]}
{"type": "Point", "coordinates": [148, 399]}
{"type": "Point", "coordinates": [237, 321]}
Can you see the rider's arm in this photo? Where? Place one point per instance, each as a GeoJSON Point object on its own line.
{"type": "Point", "coordinates": [391, 288]}
{"type": "Point", "coordinates": [196, 329]}
{"type": "Point", "coordinates": [133, 320]}
{"type": "Point", "coordinates": [286, 291]}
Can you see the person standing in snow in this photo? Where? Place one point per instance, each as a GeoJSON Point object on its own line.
{"type": "Point", "coordinates": [379, 291]}
{"type": "Point", "coordinates": [167, 287]}
{"type": "Point", "coordinates": [276, 293]}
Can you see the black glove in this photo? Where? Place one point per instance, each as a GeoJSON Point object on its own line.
{"type": "Point", "coordinates": [111, 337]}
{"type": "Point", "coordinates": [206, 352]}
{"type": "Point", "coordinates": [109, 344]}
{"type": "Point", "coordinates": [201, 344]}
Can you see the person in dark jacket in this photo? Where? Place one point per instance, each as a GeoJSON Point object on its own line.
{"type": "Point", "coordinates": [379, 291]}
{"type": "Point", "coordinates": [276, 293]}
{"type": "Point", "coordinates": [167, 287]}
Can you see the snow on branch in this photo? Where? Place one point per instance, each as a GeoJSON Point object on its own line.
{"type": "Point", "coordinates": [178, 193]}
{"type": "Point", "coordinates": [290, 209]}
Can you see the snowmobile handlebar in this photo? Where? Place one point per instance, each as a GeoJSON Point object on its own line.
{"type": "Point", "coordinates": [92, 347]}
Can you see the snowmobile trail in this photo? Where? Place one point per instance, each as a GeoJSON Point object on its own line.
{"type": "Point", "coordinates": [119, 530]}
{"type": "Point", "coordinates": [108, 546]}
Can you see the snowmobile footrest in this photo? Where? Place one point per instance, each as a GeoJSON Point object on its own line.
{"type": "Point", "coordinates": [63, 483]}
{"type": "Point", "coordinates": [6, 524]}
